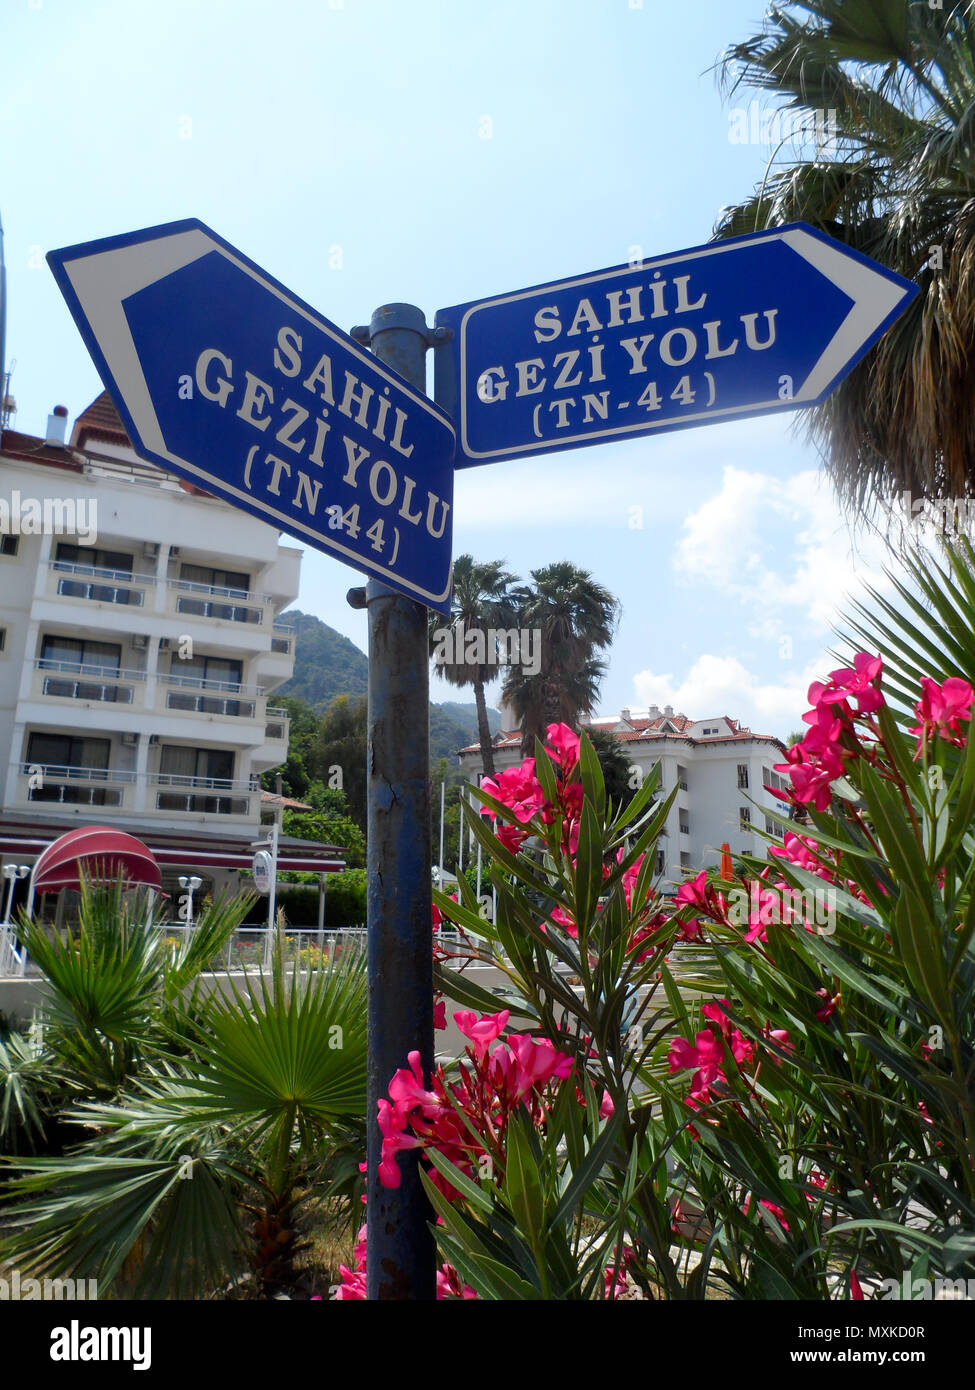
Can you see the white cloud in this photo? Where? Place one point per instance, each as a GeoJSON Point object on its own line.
{"type": "Point", "coordinates": [778, 544]}
{"type": "Point", "coordinates": [716, 685]}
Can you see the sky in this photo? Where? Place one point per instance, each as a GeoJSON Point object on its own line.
{"type": "Point", "coordinates": [436, 152]}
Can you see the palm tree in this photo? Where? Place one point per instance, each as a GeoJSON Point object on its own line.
{"type": "Point", "coordinates": [899, 186]}
{"type": "Point", "coordinates": [480, 600]}
{"type": "Point", "coordinates": [184, 1136]}
{"type": "Point", "coordinates": [574, 618]}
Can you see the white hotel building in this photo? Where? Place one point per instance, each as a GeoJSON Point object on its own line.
{"type": "Point", "coordinates": [720, 769]}
{"type": "Point", "coordinates": [137, 673]}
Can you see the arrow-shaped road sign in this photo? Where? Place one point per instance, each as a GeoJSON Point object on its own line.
{"type": "Point", "coordinates": [225, 377]}
{"type": "Point", "coordinates": [746, 326]}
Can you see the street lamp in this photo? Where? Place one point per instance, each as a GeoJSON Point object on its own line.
{"type": "Point", "coordinates": [12, 872]}
{"type": "Point", "coordinates": [190, 883]}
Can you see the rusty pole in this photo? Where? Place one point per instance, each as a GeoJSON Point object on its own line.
{"type": "Point", "coordinates": [401, 1248]}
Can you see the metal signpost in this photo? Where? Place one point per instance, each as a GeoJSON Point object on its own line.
{"type": "Point", "coordinates": [225, 377]}
{"type": "Point", "coordinates": [746, 326]}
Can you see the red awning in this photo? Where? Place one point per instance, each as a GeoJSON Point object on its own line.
{"type": "Point", "coordinates": [105, 854]}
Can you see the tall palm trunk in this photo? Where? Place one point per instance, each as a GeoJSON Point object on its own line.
{"type": "Point", "coordinates": [484, 730]}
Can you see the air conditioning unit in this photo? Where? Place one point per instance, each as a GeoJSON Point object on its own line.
{"type": "Point", "coordinates": [130, 740]}
{"type": "Point", "coordinates": [140, 641]}
{"type": "Point", "coordinates": [150, 550]}
{"type": "Point", "coordinates": [164, 644]}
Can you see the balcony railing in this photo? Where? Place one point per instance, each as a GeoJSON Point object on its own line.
{"type": "Point", "coordinates": [173, 792]}
{"type": "Point", "coordinates": [76, 680]}
{"type": "Point", "coordinates": [193, 694]}
{"type": "Point", "coordinates": [73, 785]}
{"type": "Point", "coordinates": [73, 580]}
{"type": "Point", "coordinates": [202, 683]}
{"type": "Point", "coordinates": [221, 796]}
{"type": "Point", "coordinates": [215, 601]}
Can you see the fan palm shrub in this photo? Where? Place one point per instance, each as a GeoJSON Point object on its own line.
{"type": "Point", "coordinates": [204, 1126]}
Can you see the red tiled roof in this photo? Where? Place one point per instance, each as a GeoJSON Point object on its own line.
{"type": "Point", "coordinates": [33, 450]}
{"type": "Point", "coordinates": [651, 734]}
{"type": "Point", "coordinates": [286, 801]}
{"type": "Point", "coordinates": [100, 421]}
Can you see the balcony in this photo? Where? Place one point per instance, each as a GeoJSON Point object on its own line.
{"type": "Point", "coordinates": [197, 695]}
{"type": "Point", "coordinates": [76, 786]}
{"type": "Point", "coordinates": [73, 680]}
{"type": "Point", "coordinates": [156, 795]}
{"type": "Point", "coordinates": [282, 639]}
{"type": "Point", "coordinates": [90, 583]}
{"type": "Point", "coordinates": [207, 795]}
{"type": "Point", "coordinates": [211, 601]}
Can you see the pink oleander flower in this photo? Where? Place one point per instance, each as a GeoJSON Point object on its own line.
{"type": "Point", "coordinates": [644, 940]}
{"type": "Point", "coordinates": [495, 1081]}
{"type": "Point", "coordinates": [482, 1031]}
{"type": "Point", "coordinates": [939, 710]}
{"type": "Point", "coordinates": [517, 788]}
{"type": "Point", "coordinates": [811, 777]}
{"type": "Point", "coordinates": [439, 1013]}
{"type": "Point", "coordinates": [776, 1211]}
{"type": "Point", "coordinates": [801, 850]}
{"type": "Point", "coordinates": [693, 892]}
{"type": "Point", "coordinates": [856, 1292]}
{"type": "Point", "coordinates": [537, 1061]}
{"type": "Point", "coordinates": [449, 1285]}
{"type": "Point", "coordinates": [561, 918]}
{"type": "Point", "coordinates": [511, 836]}
{"type": "Point", "coordinates": [352, 1287]}
{"type": "Point", "coordinates": [829, 1004]}
{"type": "Point", "coordinates": [705, 1055]}
{"type": "Point", "coordinates": [563, 745]}
{"type": "Point", "coordinates": [780, 1036]}
{"type": "Point", "coordinates": [407, 1089]}
{"type": "Point", "coordinates": [861, 682]}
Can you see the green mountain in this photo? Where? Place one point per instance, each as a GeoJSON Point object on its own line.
{"type": "Point", "coordinates": [328, 664]}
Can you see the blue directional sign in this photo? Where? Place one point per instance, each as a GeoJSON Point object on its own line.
{"type": "Point", "coordinates": [224, 377]}
{"type": "Point", "coordinates": [754, 324]}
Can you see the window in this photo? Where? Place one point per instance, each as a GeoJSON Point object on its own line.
{"type": "Point", "coordinates": [3, 638]}
{"type": "Point", "coordinates": [770, 826]}
{"type": "Point", "coordinates": [68, 750]}
{"type": "Point", "coordinates": [745, 816]}
{"type": "Point", "coordinates": [9, 545]}
{"type": "Point", "coordinates": [119, 561]}
{"type": "Point", "coordinates": [235, 580]}
{"type": "Point", "coordinates": [214, 765]}
{"type": "Point", "coordinates": [207, 673]}
{"type": "Point", "coordinates": [743, 775]}
{"type": "Point", "coordinates": [660, 861]}
{"type": "Point", "coordinates": [684, 828]}
{"type": "Point", "coordinates": [104, 657]}
{"type": "Point", "coordinates": [197, 669]}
